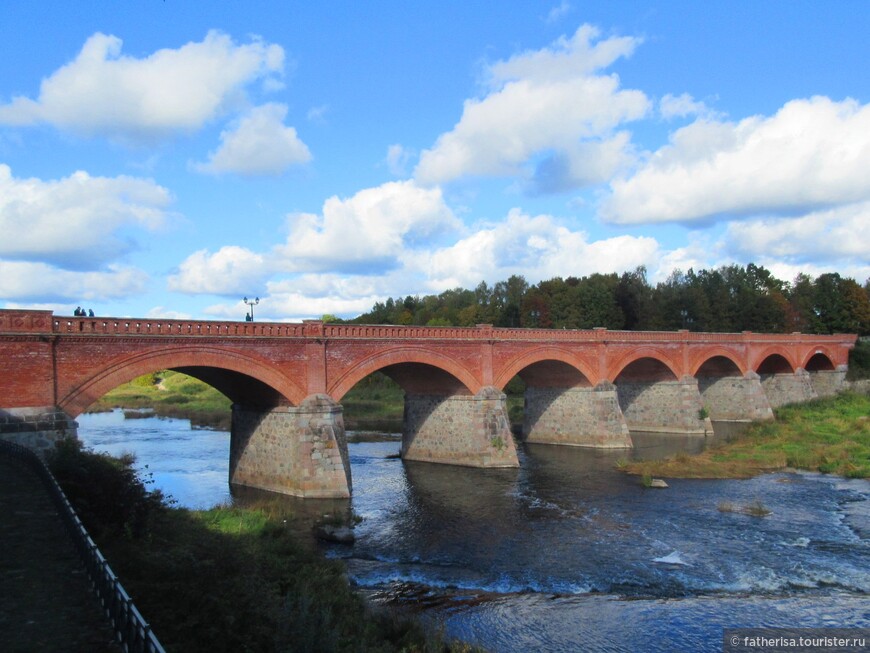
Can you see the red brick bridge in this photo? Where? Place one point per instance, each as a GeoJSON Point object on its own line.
{"type": "Point", "coordinates": [583, 387]}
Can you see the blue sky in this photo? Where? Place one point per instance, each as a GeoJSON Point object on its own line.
{"type": "Point", "coordinates": [165, 159]}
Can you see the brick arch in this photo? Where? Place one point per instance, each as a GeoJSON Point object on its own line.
{"type": "Point", "coordinates": [127, 368]}
{"type": "Point", "coordinates": [542, 354]}
{"type": "Point", "coordinates": [619, 365]}
{"type": "Point", "coordinates": [358, 372]}
{"type": "Point", "coordinates": [786, 353]}
{"type": "Point", "coordinates": [699, 359]}
{"type": "Point", "coordinates": [817, 351]}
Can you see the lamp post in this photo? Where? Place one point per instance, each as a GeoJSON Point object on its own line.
{"type": "Point", "coordinates": [251, 302]}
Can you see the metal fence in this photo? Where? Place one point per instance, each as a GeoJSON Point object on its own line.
{"type": "Point", "coordinates": [131, 630]}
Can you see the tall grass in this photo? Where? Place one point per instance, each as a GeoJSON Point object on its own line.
{"type": "Point", "coordinates": [829, 435]}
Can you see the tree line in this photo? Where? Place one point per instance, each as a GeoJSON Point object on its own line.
{"type": "Point", "coordinates": [730, 298]}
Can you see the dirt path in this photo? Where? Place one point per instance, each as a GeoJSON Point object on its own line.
{"type": "Point", "coordinates": [46, 603]}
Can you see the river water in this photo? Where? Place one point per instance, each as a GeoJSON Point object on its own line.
{"type": "Point", "coordinates": [565, 553]}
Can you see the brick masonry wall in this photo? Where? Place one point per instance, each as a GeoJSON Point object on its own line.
{"type": "Point", "coordinates": [459, 430]}
{"type": "Point", "coordinates": [301, 451]}
{"type": "Point", "coordinates": [587, 417]}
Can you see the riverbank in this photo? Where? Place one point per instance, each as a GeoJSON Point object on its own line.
{"type": "Point", "coordinates": [228, 578]}
{"type": "Point", "coordinates": [829, 435]}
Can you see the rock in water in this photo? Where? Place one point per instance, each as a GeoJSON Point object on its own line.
{"type": "Point", "coordinates": [339, 534]}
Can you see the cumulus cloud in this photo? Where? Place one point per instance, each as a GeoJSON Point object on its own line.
{"type": "Point", "coordinates": [41, 282]}
{"type": "Point", "coordinates": [232, 270]}
{"type": "Point", "coordinates": [77, 222]}
{"type": "Point", "coordinates": [104, 92]}
{"type": "Point", "coordinates": [552, 103]}
{"type": "Point", "coordinates": [812, 154]}
{"type": "Point", "coordinates": [371, 228]}
{"type": "Point", "coordinates": [259, 144]}
{"type": "Point", "coordinates": [535, 247]}
{"type": "Point", "coordinates": [839, 235]}
{"type": "Point", "coordinates": [306, 296]}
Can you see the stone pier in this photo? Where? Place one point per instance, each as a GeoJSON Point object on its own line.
{"type": "Point", "coordinates": [38, 428]}
{"type": "Point", "coordinates": [470, 430]}
{"type": "Point", "coordinates": [579, 416]}
{"type": "Point", "coordinates": [664, 406]}
{"type": "Point", "coordinates": [827, 383]}
{"type": "Point", "coordinates": [786, 388]}
{"type": "Point", "coordinates": [735, 398]}
{"type": "Point", "coordinates": [297, 450]}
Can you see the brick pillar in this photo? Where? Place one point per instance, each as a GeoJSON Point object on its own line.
{"type": "Point", "coordinates": [297, 450]}
{"type": "Point", "coordinates": [784, 389]}
{"type": "Point", "coordinates": [459, 429]}
{"type": "Point", "coordinates": [664, 406]}
{"type": "Point", "coordinates": [735, 398]}
{"type": "Point", "coordinates": [38, 428]}
{"type": "Point", "coordinates": [584, 417]}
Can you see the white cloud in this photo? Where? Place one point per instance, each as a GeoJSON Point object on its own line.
{"type": "Point", "coordinates": [812, 154]}
{"type": "Point", "coordinates": [398, 159]}
{"type": "Point", "coordinates": [230, 270]}
{"type": "Point", "coordinates": [318, 114]}
{"type": "Point", "coordinates": [680, 106]}
{"type": "Point", "coordinates": [547, 102]}
{"type": "Point", "coordinates": [535, 247]}
{"type": "Point", "coordinates": [374, 227]}
{"type": "Point", "coordinates": [77, 221]}
{"type": "Point", "coordinates": [104, 92]}
{"type": "Point", "coordinates": [40, 282]}
{"type": "Point", "coordinates": [836, 235]}
{"type": "Point", "coordinates": [259, 144]}
{"type": "Point", "coordinates": [163, 313]}
{"type": "Point", "coordinates": [558, 12]}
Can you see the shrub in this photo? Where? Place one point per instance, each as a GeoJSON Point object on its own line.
{"type": "Point", "coordinates": [107, 493]}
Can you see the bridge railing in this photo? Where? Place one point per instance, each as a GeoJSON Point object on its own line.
{"type": "Point", "coordinates": [133, 633]}
{"type": "Point", "coordinates": [44, 322]}
{"type": "Point", "coordinates": [176, 327]}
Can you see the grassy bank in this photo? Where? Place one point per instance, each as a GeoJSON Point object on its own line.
{"type": "Point", "coordinates": [226, 579]}
{"type": "Point", "coordinates": [827, 435]}
{"type": "Point", "coordinates": [170, 394]}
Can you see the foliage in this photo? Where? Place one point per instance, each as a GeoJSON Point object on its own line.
{"type": "Point", "coordinates": [109, 495]}
{"type": "Point", "coordinates": [827, 435]}
{"type": "Point", "coordinates": [859, 361]}
{"type": "Point", "coordinates": [731, 298]}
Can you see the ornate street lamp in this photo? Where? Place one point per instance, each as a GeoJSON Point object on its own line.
{"type": "Point", "coordinates": [251, 302]}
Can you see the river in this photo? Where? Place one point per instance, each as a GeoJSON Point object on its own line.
{"type": "Point", "coordinates": [565, 553]}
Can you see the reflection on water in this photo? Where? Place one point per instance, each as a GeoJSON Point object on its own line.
{"type": "Point", "coordinates": [565, 553]}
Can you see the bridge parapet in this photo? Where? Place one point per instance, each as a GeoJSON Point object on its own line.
{"type": "Point", "coordinates": [25, 321]}
{"type": "Point", "coordinates": [174, 328]}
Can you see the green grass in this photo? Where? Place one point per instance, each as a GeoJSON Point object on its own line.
{"type": "Point", "coordinates": [827, 435]}
{"type": "Point", "coordinates": [171, 394]}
